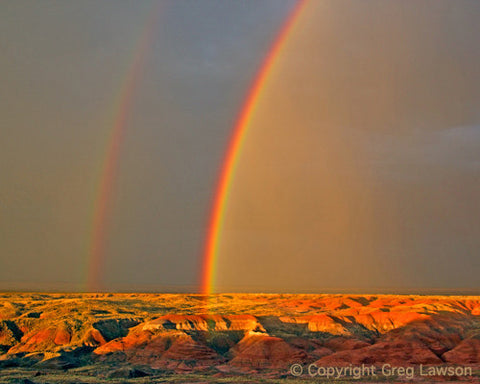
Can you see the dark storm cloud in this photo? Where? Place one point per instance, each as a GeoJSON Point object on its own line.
{"type": "Point", "coordinates": [360, 171]}
{"type": "Point", "coordinates": [430, 152]}
{"type": "Point", "coordinates": [63, 65]}
{"type": "Point", "coordinates": [381, 96]}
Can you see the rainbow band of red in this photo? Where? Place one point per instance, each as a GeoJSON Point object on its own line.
{"type": "Point", "coordinates": [121, 111]}
{"type": "Point", "coordinates": [234, 148]}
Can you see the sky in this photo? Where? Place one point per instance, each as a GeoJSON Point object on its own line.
{"type": "Point", "coordinates": [360, 170]}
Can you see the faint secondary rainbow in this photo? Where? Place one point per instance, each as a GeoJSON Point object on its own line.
{"type": "Point", "coordinates": [227, 172]}
{"type": "Point", "coordinates": [120, 112]}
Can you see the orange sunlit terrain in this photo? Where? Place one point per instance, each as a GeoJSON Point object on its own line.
{"type": "Point", "coordinates": [238, 335]}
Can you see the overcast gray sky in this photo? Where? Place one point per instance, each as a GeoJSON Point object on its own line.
{"type": "Point", "coordinates": [370, 128]}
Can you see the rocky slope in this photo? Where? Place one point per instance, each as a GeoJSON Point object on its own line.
{"type": "Point", "coordinates": [239, 334]}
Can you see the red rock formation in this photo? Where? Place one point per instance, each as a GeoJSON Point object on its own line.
{"type": "Point", "coordinates": [394, 352]}
{"type": "Point", "coordinates": [259, 350]}
{"type": "Point", "coordinates": [161, 349]}
{"type": "Point", "coordinates": [62, 336]}
{"type": "Point", "coordinates": [34, 341]}
{"type": "Point", "coordinates": [466, 352]}
{"type": "Point", "coordinates": [205, 323]}
{"type": "Point", "coordinates": [93, 338]}
{"type": "Point", "coordinates": [317, 323]}
{"type": "Point", "coordinates": [247, 333]}
{"type": "Point", "coordinates": [345, 343]}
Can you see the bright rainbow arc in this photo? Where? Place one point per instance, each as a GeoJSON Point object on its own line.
{"type": "Point", "coordinates": [121, 111]}
{"type": "Point", "coordinates": [234, 149]}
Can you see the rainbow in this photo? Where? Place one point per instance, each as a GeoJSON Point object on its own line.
{"type": "Point", "coordinates": [120, 113]}
{"type": "Point", "coordinates": [240, 130]}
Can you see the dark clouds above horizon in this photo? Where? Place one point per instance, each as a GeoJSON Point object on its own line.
{"type": "Point", "coordinates": [63, 65]}
{"type": "Point", "coordinates": [360, 171]}
{"type": "Point", "coordinates": [62, 68]}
